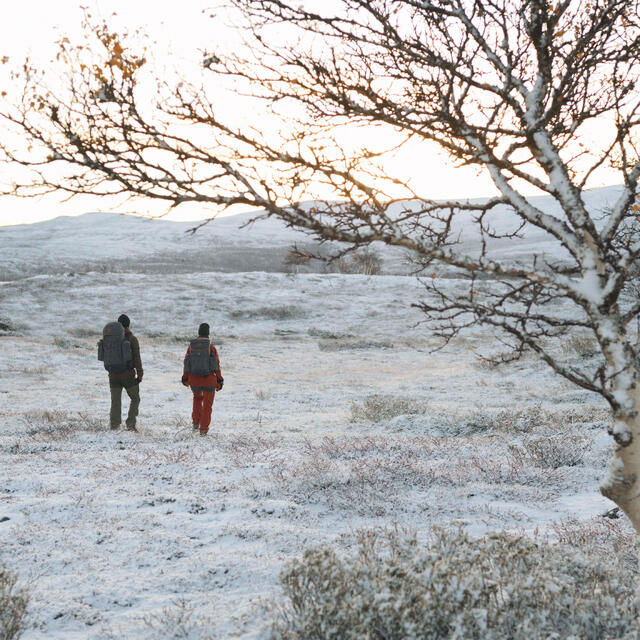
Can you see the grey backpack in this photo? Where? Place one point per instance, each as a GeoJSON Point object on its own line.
{"type": "Point", "coordinates": [200, 362]}
{"type": "Point", "coordinates": [114, 350]}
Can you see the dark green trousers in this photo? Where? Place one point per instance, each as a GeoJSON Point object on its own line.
{"type": "Point", "coordinates": [133, 391]}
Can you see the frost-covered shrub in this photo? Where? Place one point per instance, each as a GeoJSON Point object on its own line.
{"type": "Point", "coordinates": [329, 335]}
{"type": "Point", "coordinates": [85, 332]}
{"type": "Point", "coordinates": [65, 343]}
{"type": "Point", "coordinates": [346, 345]}
{"type": "Point", "coordinates": [500, 587]}
{"type": "Point", "coordinates": [517, 419]}
{"type": "Point", "coordinates": [582, 346]}
{"type": "Point", "coordinates": [245, 449]}
{"type": "Point", "coordinates": [521, 419]}
{"type": "Point", "coordinates": [603, 536]}
{"type": "Point", "coordinates": [295, 259]}
{"type": "Point", "coordinates": [552, 452]}
{"type": "Point", "coordinates": [279, 312]}
{"type": "Point", "coordinates": [10, 328]}
{"type": "Point", "coordinates": [360, 475]}
{"type": "Point", "coordinates": [445, 422]}
{"type": "Point", "coordinates": [182, 338]}
{"type": "Point", "coordinates": [59, 423]}
{"type": "Point", "coordinates": [178, 622]}
{"type": "Point", "coordinates": [367, 262]}
{"type": "Point", "coordinates": [378, 407]}
{"type": "Point", "coordinates": [13, 605]}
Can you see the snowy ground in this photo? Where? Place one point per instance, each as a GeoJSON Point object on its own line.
{"type": "Point", "coordinates": [335, 417]}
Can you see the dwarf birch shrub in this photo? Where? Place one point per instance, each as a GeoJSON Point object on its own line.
{"type": "Point", "coordinates": [9, 328]}
{"type": "Point", "coordinates": [13, 606]}
{"type": "Point", "coordinates": [278, 312]}
{"type": "Point", "coordinates": [378, 407]}
{"type": "Point", "coordinates": [84, 332]}
{"type": "Point", "coordinates": [325, 334]}
{"type": "Point", "coordinates": [367, 262]}
{"type": "Point", "coordinates": [501, 587]}
{"type": "Point", "coordinates": [178, 622]}
{"type": "Point", "coordinates": [603, 535]}
{"type": "Point", "coordinates": [59, 423]}
{"type": "Point", "coordinates": [353, 345]}
{"type": "Point", "coordinates": [66, 344]}
{"type": "Point", "coordinates": [552, 453]}
{"type": "Point", "coordinates": [582, 346]}
{"type": "Point", "coordinates": [444, 422]}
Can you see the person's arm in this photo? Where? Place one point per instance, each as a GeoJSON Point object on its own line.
{"type": "Point", "coordinates": [185, 375]}
{"type": "Point", "coordinates": [219, 377]}
{"type": "Point", "coordinates": [135, 352]}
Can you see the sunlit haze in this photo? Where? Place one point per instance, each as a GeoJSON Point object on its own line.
{"type": "Point", "coordinates": [182, 31]}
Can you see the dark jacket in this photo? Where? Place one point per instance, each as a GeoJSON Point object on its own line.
{"type": "Point", "coordinates": [128, 376]}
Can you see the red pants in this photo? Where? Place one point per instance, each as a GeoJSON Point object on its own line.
{"type": "Point", "coordinates": [202, 406]}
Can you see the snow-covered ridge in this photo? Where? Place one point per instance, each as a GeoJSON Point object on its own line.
{"type": "Point", "coordinates": [116, 242]}
{"type": "Point", "coordinates": [120, 242]}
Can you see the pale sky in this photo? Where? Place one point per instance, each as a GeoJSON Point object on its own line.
{"type": "Point", "coordinates": [182, 30]}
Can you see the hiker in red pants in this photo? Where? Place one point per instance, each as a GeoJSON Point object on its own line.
{"type": "Point", "coordinates": [202, 373]}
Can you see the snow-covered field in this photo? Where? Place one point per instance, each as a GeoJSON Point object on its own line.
{"type": "Point", "coordinates": [335, 417]}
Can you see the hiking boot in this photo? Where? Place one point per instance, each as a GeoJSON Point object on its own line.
{"type": "Point", "coordinates": [204, 433]}
{"type": "Point", "coordinates": [196, 426]}
{"type": "Point", "coordinates": [114, 428]}
{"type": "Point", "coordinates": [132, 428]}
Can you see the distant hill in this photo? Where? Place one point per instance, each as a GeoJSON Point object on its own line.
{"type": "Point", "coordinates": [114, 242]}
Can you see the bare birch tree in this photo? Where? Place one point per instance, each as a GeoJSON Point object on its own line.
{"type": "Point", "coordinates": [510, 87]}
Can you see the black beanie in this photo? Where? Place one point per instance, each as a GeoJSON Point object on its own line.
{"type": "Point", "coordinates": [124, 320]}
{"type": "Point", "coordinates": [203, 330]}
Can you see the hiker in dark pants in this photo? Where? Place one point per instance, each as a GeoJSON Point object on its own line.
{"type": "Point", "coordinates": [202, 373]}
{"type": "Point", "coordinates": [121, 355]}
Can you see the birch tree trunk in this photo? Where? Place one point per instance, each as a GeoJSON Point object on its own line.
{"type": "Point", "coordinates": [622, 483]}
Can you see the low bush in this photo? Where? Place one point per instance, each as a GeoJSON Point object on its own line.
{"type": "Point", "coordinates": [501, 587]}
{"type": "Point", "coordinates": [367, 476]}
{"type": "Point", "coordinates": [378, 407]}
{"type": "Point", "coordinates": [296, 258]}
{"type": "Point", "coordinates": [511, 419]}
{"type": "Point", "coordinates": [59, 423]}
{"type": "Point", "coordinates": [367, 262]}
{"type": "Point", "coordinates": [522, 419]}
{"type": "Point", "coordinates": [5, 326]}
{"type": "Point", "coordinates": [606, 535]}
{"type": "Point", "coordinates": [328, 335]}
{"type": "Point", "coordinates": [280, 312]}
{"type": "Point", "coordinates": [13, 605]}
{"type": "Point", "coordinates": [85, 332]}
{"type": "Point", "coordinates": [65, 343]}
{"type": "Point", "coordinates": [552, 452]}
{"type": "Point", "coordinates": [9, 328]}
{"type": "Point", "coordinates": [582, 346]}
{"type": "Point", "coordinates": [245, 449]}
{"type": "Point", "coordinates": [178, 622]}
{"type": "Point", "coordinates": [346, 345]}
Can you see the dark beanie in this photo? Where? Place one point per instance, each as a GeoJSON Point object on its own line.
{"type": "Point", "coordinates": [203, 330]}
{"type": "Point", "coordinates": [124, 320]}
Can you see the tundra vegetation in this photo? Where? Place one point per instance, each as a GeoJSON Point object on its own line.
{"type": "Point", "coordinates": [13, 605]}
{"type": "Point", "coordinates": [512, 88]}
